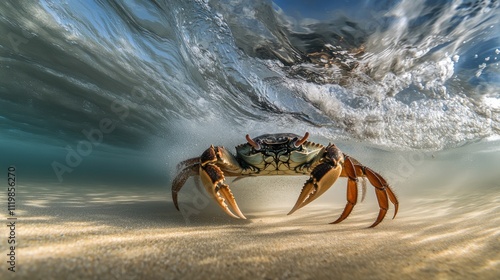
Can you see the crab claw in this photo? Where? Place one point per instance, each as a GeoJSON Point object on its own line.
{"type": "Point", "coordinates": [322, 178]}
{"type": "Point", "coordinates": [212, 178]}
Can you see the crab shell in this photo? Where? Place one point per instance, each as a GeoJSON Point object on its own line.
{"type": "Point", "coordinates": [279, 154]}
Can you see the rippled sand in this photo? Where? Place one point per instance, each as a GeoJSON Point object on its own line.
{"type": "Point", "coordinates": [448, 227]}
{"type": "Point", "coordinates": [105, 233]}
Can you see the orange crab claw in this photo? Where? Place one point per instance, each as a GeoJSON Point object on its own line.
{"type": "Point", "coordinates": [322, 178]}
{"type": "Point", "coordinates": [212, 178]}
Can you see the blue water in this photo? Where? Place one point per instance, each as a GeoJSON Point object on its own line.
{"type": "Point", "coordinates": [123, 90]}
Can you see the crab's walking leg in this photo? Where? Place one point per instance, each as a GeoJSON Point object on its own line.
{"type": "Point", "coordinates": [352, 189]}
{"type": "Point", "coordinates": [213, 181]}
{"type": "Point", "coordinates": [189, 167]}
{"type": "Point", "coordinates": [323, 176]}
{"type": "Point", "coordinates": [384, 193]}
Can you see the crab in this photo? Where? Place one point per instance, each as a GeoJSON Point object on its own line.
{"type": "Point", "coordinates": [283, 154]}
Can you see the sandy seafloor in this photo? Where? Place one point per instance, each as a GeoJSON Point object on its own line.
{"type": "Point", "coordinates": [448, 227]}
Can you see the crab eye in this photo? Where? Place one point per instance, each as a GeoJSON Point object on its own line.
{"type": "Point", "coordinates": [298, 142]}
{"type": "Point", "coordinates": [254, 144]}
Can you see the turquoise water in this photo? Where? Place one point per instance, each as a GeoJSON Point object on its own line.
{"type": "Point", "coordinates": [104, 90]}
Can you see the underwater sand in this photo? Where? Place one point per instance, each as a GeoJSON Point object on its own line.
{"type": "Point", "coordinates": [135, 234]}
{"type": "Point", "coordinates": [448, 227]}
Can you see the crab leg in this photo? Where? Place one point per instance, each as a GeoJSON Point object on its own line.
{"type": "Point", "coordinates": [190, 168]}
{"type": "Point", "coordinates": [383, 192]}
{"type": "Point", "coordinates": [188, 163]}
{"type": "Point", "coordinates": [352, 189]}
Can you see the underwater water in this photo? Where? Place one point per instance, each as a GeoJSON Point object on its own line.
{"type": "Point", "coordinates": [116, 93]}
{"type": "Point", "coordinates": [169, 76]}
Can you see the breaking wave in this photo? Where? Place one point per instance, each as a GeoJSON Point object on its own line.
{"type": "Point", "coordinates": [396, 74]}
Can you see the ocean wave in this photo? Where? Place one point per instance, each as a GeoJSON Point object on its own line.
{"type": "Point", "coordinates": [411, 74]}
